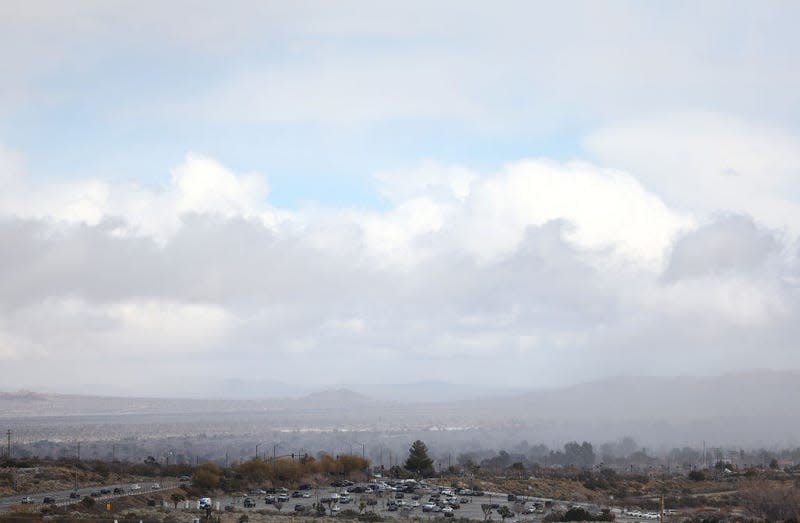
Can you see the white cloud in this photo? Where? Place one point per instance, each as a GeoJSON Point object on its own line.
{"type": "Point", "coordinates": [538, 263]}
{"type": "Point", "coordinates": [709, 163]}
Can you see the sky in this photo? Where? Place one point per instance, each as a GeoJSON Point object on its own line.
{"type": "Point", "coordinates": [521, 194]}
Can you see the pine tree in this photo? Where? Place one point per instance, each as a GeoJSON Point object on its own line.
{"type": "Point", "coordinates": [418, 460]}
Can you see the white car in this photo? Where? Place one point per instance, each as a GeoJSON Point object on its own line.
{"type": "Point", "coordinates": [136, 486]}
{"type": "Point", "coordinates": [155, 486]}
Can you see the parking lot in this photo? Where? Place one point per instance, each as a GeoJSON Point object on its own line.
{"type": "Point", "coordinates": [388, 503]}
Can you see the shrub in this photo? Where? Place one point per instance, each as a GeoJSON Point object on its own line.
{"type": "Point", "coordinates": [697, 475]}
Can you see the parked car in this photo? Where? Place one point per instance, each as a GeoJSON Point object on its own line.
{"type": "Point", "coordinates": [283, 498]}
{"type": "Point", "coordinates": [229, 508]}
{"type": "Point", "coordinates": [270, 499]}
{"type": "Point", "coordinates": [96, 494]}
{"type": "Point", "coordinates": [249, 503]}
{"type": "Point", "coordinates": [105, 491]}
{"type": "Point", "coordinates": [155, 486]}
{"type": "Point", "coordinates": [27, 500]}
{"type": "Point", "coordinates": [136, 486]}
{"type": "Point", "coordinates": [297, 494]}
{"type": "Point", "coordinates": [299, 508]}
{"type": "Point", "coordinates": [74, 495]}
{"type": "Point", "coordinates": [48, 500]}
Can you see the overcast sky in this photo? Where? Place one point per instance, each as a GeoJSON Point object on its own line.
{"type": "Point", "coordinates": [522, 194]}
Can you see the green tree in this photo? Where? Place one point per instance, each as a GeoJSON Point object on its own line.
{"type": "Point", "coordinates": [487, 511]}
{"type": "Point", "coordinates": [176, 498]}
{"type": "Point", "coordinates": [504, 512]}
{"type": "Point", "coordinates": [418, 460]}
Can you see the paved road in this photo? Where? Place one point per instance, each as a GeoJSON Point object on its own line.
{"type": "Point", "coordinates": [62, 497]}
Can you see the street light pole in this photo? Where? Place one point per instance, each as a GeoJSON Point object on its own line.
{"type": "Point", "coordinates": [257, 444]}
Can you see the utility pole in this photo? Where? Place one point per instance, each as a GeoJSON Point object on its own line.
{"type": "Point", "coordinates": [8, 448]}
{"type": "Point", "coordinates": [79, 451]}
{"type": "Point", "coordinates": [274, 465]}
{"type": "Point", "coordinates": [113, 452]}
{"type": "Point", "coordinates": [257, 444]}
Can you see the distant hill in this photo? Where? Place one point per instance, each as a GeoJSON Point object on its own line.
{"type": "Point", "coordinates": [757, 408]}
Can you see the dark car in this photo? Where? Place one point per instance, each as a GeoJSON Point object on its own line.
{"type": "Point", "coordinates": [229, 508]}
{"type": "Point", "coordinates": [151, 503]}
{"type": "Point", "coordinates": [96, 494]}
{"type": "Point", "coordinates": [304, 486]}
{"type": "Point", "coordinates": [270, 499]}
{"type": "Point", "coordinates": [249, 503]}
{"type": "Point", "coordinates": [299, 508]}
{"type": "Point", "coordinates": [74, 495]}
{"type": "Point", "coordinates": [119, 490]}
{"type": "Point", "coordinates": [48, 500]}
{"type": "Point", "coordinates": [105, 491]}
{"type": "Point", "coordinates": [512, 497]}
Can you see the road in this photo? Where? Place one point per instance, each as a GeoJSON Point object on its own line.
{"type": "Point", "coordinates": [62, 497]}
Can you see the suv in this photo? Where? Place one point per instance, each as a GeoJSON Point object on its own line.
{"type": "Point", "coordinates": [249, 503]}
